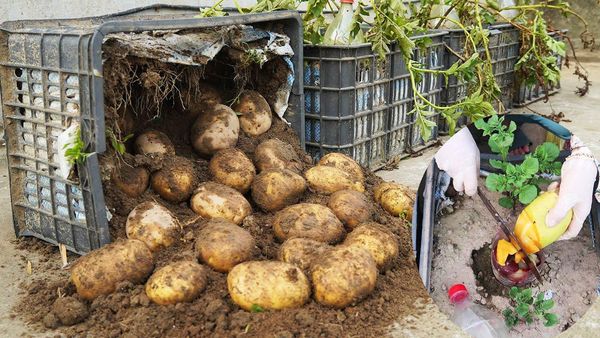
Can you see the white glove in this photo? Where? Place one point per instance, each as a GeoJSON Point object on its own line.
{"type": "Point", "coordinates": [576, 189]}
{"type": "Point", "coordinates": [459, 158]}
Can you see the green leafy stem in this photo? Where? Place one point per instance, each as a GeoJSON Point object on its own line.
{"type": "Point", "coordinates": [527, 308]}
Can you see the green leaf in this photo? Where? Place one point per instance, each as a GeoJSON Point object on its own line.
{"type": "Point", "coordinates": [530, 165]}
{"type": "Point", "coordinates": [526, 294]}
{"type": "Point", "coordinates": [527, 194]}
{"type": "Point", "coordinates": [514, 292]}
{"type": "Point", "coordinates": [495, 182]}
{"type": "Point", "coordinates": [551, 319]}
{"type": "Point", "coordinates": [522, 309]}
{"type": "Point", "coordinates": [497, 164]}
{"type": "Point", "coordinates": [506, 202]}
{"type": "Point", "coordinates": [255, 308]}
{"type": "Point", "coordinates": [547, 304]}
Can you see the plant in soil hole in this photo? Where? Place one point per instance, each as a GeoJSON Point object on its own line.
{"type": "Point", "coordinates": [527, 308]}
{"type": "Point", "coordinates": [518, 182]}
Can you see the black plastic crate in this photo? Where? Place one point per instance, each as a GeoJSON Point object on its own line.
{"type": "Point", "coordinates": [504, 46]}
{"type": "Point", "coordinates": [526, 94]}
{"type": "Point", "coordinates": [361, 109]}
{"type": "Point", "coordinates": [51, 71]}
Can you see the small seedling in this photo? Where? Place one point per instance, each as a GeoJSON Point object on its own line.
{"type": "Point", "coordinates": [527, 308]}
{"type": "Point", "coordinates": [118, 144]}
{"type": "Point", "coordinates": [255, 308]}
{"type": "Point", "coordinates": [75, 152]}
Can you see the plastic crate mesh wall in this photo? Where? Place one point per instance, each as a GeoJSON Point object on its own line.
{"type": "Point", "coordinates": [526, 94]}
{"type": "Point", "coordinates": [504, 45]}
{"type": "Point", "coordinates": [42, 90]}
{"type": "Point", "coordinates": [361, 109]}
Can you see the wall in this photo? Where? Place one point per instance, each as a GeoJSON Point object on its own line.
{"type": "Point", "coordinates": [589, 10]}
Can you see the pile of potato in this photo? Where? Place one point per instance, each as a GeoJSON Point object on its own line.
{"type": "Point", "coordinates": [350, 247]}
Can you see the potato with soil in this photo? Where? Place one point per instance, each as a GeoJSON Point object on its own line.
{"type": "Point", "coordinates": [215, 129]}
{"type": "Point", "coordinates": [343, 276]}
{"type": "Point", "coordinates": [308, 220]}
{"type": "Point", "coordinates": [351, 207]}
{"type": "Point", "coordinates": [100, 271]}
{"type": "Point", "coordinates": [276, 154]}
{"type": "Point", "coordinates": [255, 112]}
{"type": "Point", "coordinates": [152, 224]}
{"type": "Point", "coordinates": [176, 180]}
{"type": "Point", "coordinates": [327, 180]}
{"type": "Point", "coordinates": [215, 200]}
{"type": "Point", "coordinates": [269, 285]}
{"type": "Point", "coordinates": [344, 163]}
{"type": "Point", "coordinates": [233, 168]}
{"type": "Point", "coordinates": [177, 282]}
{"type": "Point", "coordinates": [377, 240]}
{"type": "Point", "coordinates": [132, 181]}
{"type": "Point", "coordinates": [153, 142]}
{"type": "Point", "coordinates": [275, 189]}
{"type": "Point", "coordinates": [301, 252]}
{"type": "Point", "coordinates": [223, 245]}
{"type": "Point", "coordinates": [394, 198]}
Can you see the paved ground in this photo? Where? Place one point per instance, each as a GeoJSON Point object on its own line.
{"type": "Point", "coordinates": [585, 123]}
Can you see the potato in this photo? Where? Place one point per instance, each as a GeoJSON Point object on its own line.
{"type": "Point", "coordinates": [351, 207]}
{"type": "Point", "coordinates": [233, 168]}
{"type": "Point", "coordinates": [100, 271]}
{"type": "Point", "coordinates": [176, 181]}
{"type": "Point", "coordinates": [275, 189]}
{"type": "Point", "coordinates": [132, 181]}
{"type": "Point", "coordinates": [395, 198]}
{"type": "Point", "coordinates": [269, 285]}
{"type": "Point", "coordinates": [223, 245]}
{"type": "Point", "coordinates": [256, 113]}
{"type": "Point", "coordinates": [301, 252]}
{"type": "Point", "coordinates": [153, 224]}
{"type": "Point", "coordinates": [177, 282]}
{"type": "Point", "coordinates": [215, 129]}
{"type": "Point", "coordinates": [327, 180]}
{"type": "Point", "coordinates": [215, 200]}
{"type": "Point", "coordinates": [343, 276]}
{"type": "Point", "coordinates": [276, 154]}
{"type": "Point", "coordinates": [343, 162]}
{"type": "Point", "coordinates": [380, 243]}
{"type": "Point", "coordinates": [308, 220]}
{"type": "Point", "coordinates": [154, 142]}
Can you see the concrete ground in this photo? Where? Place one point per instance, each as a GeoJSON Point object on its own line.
{"type": "Point", "coordinates": [584, 113]}
{"type": "Point", "coordinates": [428, 320]}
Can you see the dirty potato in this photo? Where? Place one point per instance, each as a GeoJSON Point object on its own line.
{"type": "Point", "coordinates": [301, 252]}
{"type": "Point", "coordinates": [269, 285]}
{"type": "Point", "coordinates": [154, 142]}
{"type": "Point", "coordinates": [377, 240]}
{"type": "Point", "coordinates": [223, 245]}
{"type": "Point", "coordinates": [100, 271]}
{"type": "Point", "coordinates": [215, 200]}
{"type": "Point", "coordinates": [152, 224]}
{"type": "Point", "coordinates": [394, 198]}
{"type": "Point", "coordinates": [327, 180]}
{"type": "Point", "coordinates": [233, 168]}
{"type": "Point", "coordinates": [343, 276]}
{"type": "Point", "coordinates": [255, 112]}
{"type": "Point", "coordinates": [308, 220]}
{"type": "Point", "coordinates": [351, 207]}
{"type": "Point", "coordinates": [132, 181]}
{"type": "Point", "coordinates": [276, 154]}
{"type": "Point", "coordinates": [176, 181]}
{"type": "Point", "coordinates": [344, 163]}
{"type": "Point", "coordinates": [275, 189]}
{"type": "Point", "coordinates": [177, 282]}
{"type": "Point", "coordinates": [215, 129]}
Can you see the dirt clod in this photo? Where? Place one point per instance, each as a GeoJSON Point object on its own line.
{"type": "Point", "coordinates": [70, 310]}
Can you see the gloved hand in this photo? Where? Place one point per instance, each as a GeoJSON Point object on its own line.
{"type": "Point", "coordinates": [459, 158]}
{"type": "Point", "coordinates": [576, 189]}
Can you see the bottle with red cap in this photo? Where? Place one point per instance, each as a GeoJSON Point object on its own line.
{"type": "Point", "coordinates": [474, 319]}
{"type": "Point", "coordinates": [339, 31]}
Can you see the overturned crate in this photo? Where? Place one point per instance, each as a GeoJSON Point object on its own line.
{"type": "Point", "coordinates": [360, 107]}
{"type": "Point", "coordinates": [52, 77]}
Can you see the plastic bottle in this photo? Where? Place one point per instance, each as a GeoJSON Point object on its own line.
{"type": "Point", "coordinates": [474, 319]}
{"type": "Point", "coordinates": [339, 31]}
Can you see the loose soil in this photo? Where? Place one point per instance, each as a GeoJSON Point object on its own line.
{"type": "Point", "coordinates": [129, 313]}
{"type": "Point", "coordinates": [462, 255]}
